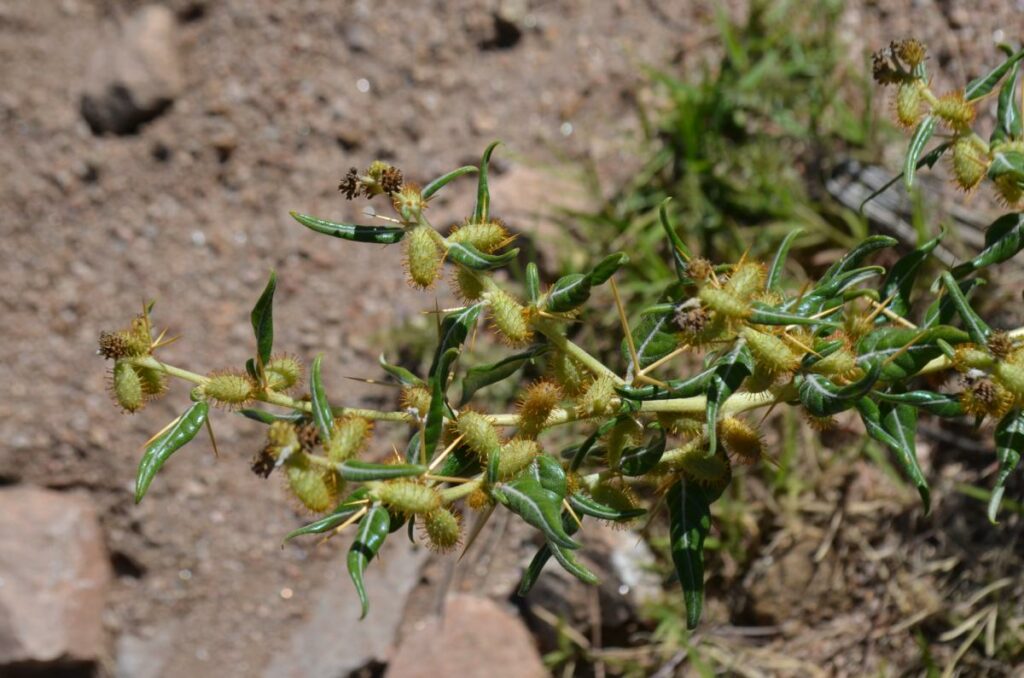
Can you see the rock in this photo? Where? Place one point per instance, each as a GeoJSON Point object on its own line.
{"type": "Point", "coordinates": [54, 574]}
{"type": "Point", "coordinates": [145, 653]}
{"type": "Point", "coordinates": [623, 562]}
{"type": "Point", "coordinates": [333, 641]}
{"type": "Point", "coordinates": [134, 77]}
{"type": "Point", "coordinates": [476, 637]}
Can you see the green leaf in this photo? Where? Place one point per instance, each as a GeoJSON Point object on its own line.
{"type": "Point", "coordinates": [484, 375]}
{"type": "Point", "coordinates": [689, 524]}
{"type": "Point", "coordinates": [584, 449]}
{"type": "Point", "coordinates": [374, 528]}
{"type": "Point", "coordinates": [982, 86]}
{"type": "Point", "coordinates": [470, 257]}
{"type": "Point", "coordinates": [322, 414]}
{"type": "Point", "coordinates": [943, 310]}
{"type": "Point", "coordinates": [677, 388]}
{"type": "Point", "coordinates": [763, 314]}
{"type": "Point", "coordinates": [822, 398]}
{"type": "Point", "coordinates": [568, 292]}
{"type": "Point", "coordinates": [922, 135]}
{"type": "Point", "coordinates": [730, 371]}
{"type": "Point", "coordinates": [1008, 115]}
{"type": "Point", "coordinates": [437, 184]}
{"type": "Point", "coordinates": [927, 160]}
{"type": "Point", "coordinates": [363, 471]}
{"type": "Point", "coordinates": [899, 283]}
{"type": "Point", "coordinates": [565, 558]}
{"type": "Point", "coordinates": [607, 267]}
{"type": "Point", "coordinates": [539, 507]}
{"type": "Point", "coordinates": [548, 471]}
{"type": "Point", "coordinates": [385, 235]}
{"type": "Point", "coordinates": [654, 339]}
{"type": "Point", "coordinates": [1004, 238]}
{"type": "Point", "coordinates": [404, 376]}
{"type": "Point", "coordinates": [532, 283]}
{"type": "Point", "coordinates": [181, 431]}
{"type": "Point", "coordinates": [348, 507]}
{"type": "Point", "coordinates": [262, 318]}
{"type": "Point", "coordinates": [1007, 163]}
{"type": "Point", "coordinates": [680, 252]}
{"type": "Point", "coordinates": [483, 195]}
{"type": "Point", "coordinates": [771, 283]}
{"type": "Point", "coordinates": [639, 460]}
{"type": "Point", "coordinates": [584, 504]}
{"type": "Point", "coordinates": [455, 328]}
{"type": "Point", "coordinates": [265, 417]}
{"type": "Point", "coordinates": [976, 327]}
{"type": "Point", "coordinates": [900, 422]}
{"type": "Point", "coordinates": [851, 260]}
{"type": "Point", "coordinates": [461, 462]}
{"type": "Point", "coordinates": [434, 425]}
{"type": "Point", "coordinates": [901, 352]}
{"type": "Point", "coordinates": [1009, 444]}
{"type": "Point", "coordinates": [939, 404]}
{"type": "Point", "coordinates": [250, 369]}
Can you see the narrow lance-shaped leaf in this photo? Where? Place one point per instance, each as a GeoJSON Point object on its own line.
{"type": "Point", "coordinates": [943, 310]}
{"type": "Point", "coordinates": [939, 404]}
{"type": "Point", "coordinates": [899, 283]}
{"type": "Point", "coordinates": [1004, 238]}
{"type": "Point", "coordinates": [730, 371]}
{"type": "Point", "coordinates": [763, 314]}
{"type": "Point", "coordinates": [374, 528]}
{"type": "Point", "coordinates": [923, 133]}
{"type": "Point", "coordinates": [532, 283]}
{"type": "Point", "coordinates": [638, 461]}
{"type": "Point", "coordinates": [265, 417]}
{"type": "Point", "coordinates": [437, 184]}
{"type": "Point", "coordinates": [434, 425]}
{"type": "Point", "coordinates": [584, 449]}
{"type": "Point", "coordinates": [404, 376]}
{"type": "Point", "coordinates": [384, 235]}
{"type": "Point", "coordinates": [1008, 114]}
{"type": "Point", "coordinates": [654, 339]}
{"type": "Point", "coordinates": [348, 507]}
{"type": "Point", "coordinates": [680, 252]}
{"type": "Point", "coordinates": [771, 282]}
{"type": "Point", "coordinates": [548, 471]}
{"type": "Point", "coordinates": [262, 318]}
{"type": "Point", "coordinates": [676, 388]}
{"type": "Point", "coordinates": [927, 160]}
{"type": "Point", "coordinates": [586, 505]}
{"type": "Point", "coordinates": [979, 87]}
{"type": "Point", "coordinates": [1009, 445]}
{"type": "Point", "coordinates": [539, 507]}
{"type": "Point", "coordinates": [901, 352]}
{"type": "Point", "coordinates": [607, 267]}
{"type": "Point", "coordinates": [900, 422]}
{"type": "Point", "coordinates": [363, 471]}
{"type": "Point", "coordinates": [183, 430]}
{"type": "Point", "coordinates": [484, 375]}
{"type": "Point", "coordinates": [470, 257]}
{"type": "Point", "coordinates": [689, 524]}
{"type": "Point", "coordinates": [568, 292]}
{"type": "Point", "coordinates": [565, 557]}
{"type": "Point", "coordinates": [483, 195]}
{"type": "Point", "coordinates": [976, 327]}
{"type": "Point", "coordinates": [455, 328]}
{"type": "Point", "coordinates": [322, 415]}
{"type": "Point", "coordinates": [852, 259]}
{"type": "Point", "coordinates": [822, 398]}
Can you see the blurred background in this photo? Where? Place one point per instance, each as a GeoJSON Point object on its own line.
{"type": "Point", "coordinates": [153, 151]}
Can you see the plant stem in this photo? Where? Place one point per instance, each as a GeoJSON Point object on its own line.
{"type": "Point", "coordinates": [563, 344]}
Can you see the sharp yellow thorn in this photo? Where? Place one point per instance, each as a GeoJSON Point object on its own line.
{"type": "Point", "coordinates": [661, 361]}
{"type": "Point", "coordinates": [884, 310]}
{"type": "Point", "coordinates": [904, 348]}
{"type": "Point", "coordinates": [650, 380]}
{"type": "Point", "coordinates": [444, 310]}
{"type": "Point", "coordinates": [213, 439]}
{"type": "Point", "coordinates": [355, 516]}
{"type": "Point", "coordinates": [478, 527]}
{"type": "Point", "coordinates": [565, 503]}
{"type": "Point", "coordinates": [162, 431]}
{"type": "Point", "coordinates": [879, 307]}
{"type": "Point", "coordinates": [447, 479]}
{"type": "Point", "coordinates": [375, 382]}
{"type": "Point", "coordinates": [625, 325]}
{"type": "Point", "coordinates": [448, 450]}
{"type": "Point", "coordinates": [797, 342]}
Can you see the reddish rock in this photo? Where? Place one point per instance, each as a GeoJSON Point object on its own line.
{"type": "Point", "coordinates": [54, 574]}
{"type": "Point", "coordinates": [476, 637]}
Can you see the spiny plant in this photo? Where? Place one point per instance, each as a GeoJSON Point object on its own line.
{"type": "Point", "coordinates": [852, 340]}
